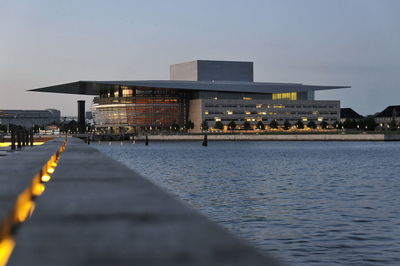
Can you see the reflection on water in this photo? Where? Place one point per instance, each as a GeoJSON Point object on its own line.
{"type": "Point", "coordinates": [310, 203]}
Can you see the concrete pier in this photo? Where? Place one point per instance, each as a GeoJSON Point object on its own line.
{"type": "Point", "coordinates": [95, 211]}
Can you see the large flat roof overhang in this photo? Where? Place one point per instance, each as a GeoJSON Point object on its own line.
{"type": "Point", "coordinates": [94, 87]}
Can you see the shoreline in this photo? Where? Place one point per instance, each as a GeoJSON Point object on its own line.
{"type": "Point", "coordinates": [276, 137]}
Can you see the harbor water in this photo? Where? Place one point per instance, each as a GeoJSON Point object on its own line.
{"type": "Point", "coordinates": [308, 203]}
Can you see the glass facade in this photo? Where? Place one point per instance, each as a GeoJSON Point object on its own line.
{"type": "Point", "coordinates": [131, 107]}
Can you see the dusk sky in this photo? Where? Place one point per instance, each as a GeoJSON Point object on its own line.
{"type": "Point", "coordinates": [320, 42]}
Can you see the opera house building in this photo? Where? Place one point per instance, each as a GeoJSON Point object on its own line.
{"type": "Point", "coordinates": [201, 91]}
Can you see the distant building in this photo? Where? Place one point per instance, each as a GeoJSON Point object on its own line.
{"type": "Point", "coordinates": [201, 91]}
{"type": "Point", "coordinates": [389, 113]}
{"type": "Point", "coordinates": [68, 119]}
{"type": "Point", "coordinates": [348, 113]}
{"type": "Point", "coordinates": [29, 118]}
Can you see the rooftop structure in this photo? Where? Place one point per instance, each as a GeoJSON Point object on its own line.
{"type": "Point", "coordinates": [348, 113]}
{"type": "Point", "coordinates": [388, 114]}
{"type": "Point", "coordinates": [200, 91]}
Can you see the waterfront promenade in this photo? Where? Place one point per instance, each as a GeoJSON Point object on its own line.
{"type": "Point", "coordinates": [95, 211]}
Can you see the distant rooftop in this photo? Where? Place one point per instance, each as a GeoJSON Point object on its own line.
{"type": "Point", "coordinates": [349, 113]}
{"type": "Point", "coordinates": [390, 111]}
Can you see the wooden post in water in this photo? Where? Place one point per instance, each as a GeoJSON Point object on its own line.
{"type": "Point", "coordinates": [205, 141]}
{"type": "Point", "coordinates": [147, 140]}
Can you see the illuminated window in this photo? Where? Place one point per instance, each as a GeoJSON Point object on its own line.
{"type": "Point", "coordinates": [126, 92]}
{"type": "Point", "coordinates": [229, 112]}
{"type": "Point", "coordinates": [215, 98]}
{"type": "Point", "coordinates": [247, 113]}
{"type": "Point", "coordinates": [247, 98]}
{"type": "Point", "coordinates": [206, 112]}
{"type": "Point", "coordinates": [315, 112]}
{"type": "Point", "coordinates": [258, 105]}
{"type": "Point", "coordinates": [304, 119]}
{"type": "Point", "coordinates": [278, 106]}
{"type": "Point", "coordinates": [217, 119]}
{"type": "Point", "coordinates": [262, 113]}
{"type": "Point", "coordinates": [320, 119]}
{"type": "Point", "coordinates": [291, 96]}
{"type": "Point", "coordinates": [248, 119]}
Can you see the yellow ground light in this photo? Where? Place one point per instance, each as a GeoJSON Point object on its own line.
{"type": "Point", "coordinates": [7, 144]}
{"type": "Point", "coordinates": [6, 248]}
{"type": "Point", "coordinates": [24, 205]}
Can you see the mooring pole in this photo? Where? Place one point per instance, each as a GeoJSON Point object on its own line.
{"type": "Point", "coordinates": [205, 141]}
{"type": "Point", "coordinates": [147, 140]}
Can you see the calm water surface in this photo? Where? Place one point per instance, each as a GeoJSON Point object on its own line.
{"type": "Point", "coordinates": [309, 203]}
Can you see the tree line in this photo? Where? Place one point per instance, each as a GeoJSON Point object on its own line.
{"type": "Point", "coordinates": [367, 124]}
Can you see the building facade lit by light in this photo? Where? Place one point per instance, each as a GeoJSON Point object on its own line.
{"type": "Point", "coordinates": [201, 91]}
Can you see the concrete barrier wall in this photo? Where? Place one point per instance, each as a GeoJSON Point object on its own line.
{"type": "Point", "coordinates": [299, 137]}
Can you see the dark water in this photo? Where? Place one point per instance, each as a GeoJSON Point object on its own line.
{"type": "Point", "coordinates": [309, 203]}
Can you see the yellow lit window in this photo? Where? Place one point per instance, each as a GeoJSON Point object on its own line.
{"type": "Point", "coordinates": [315, 112]}
{"type": "Point", "coordinates": [247, 98]}
{"type": "Point", "coordinates": [304, 119]}
{"type": "Point", "coordinates": [215, 98]}
{"type": "Point", "coordinates": [126, 92]}
{"type": "Point", "coordinates": [320, 119]}
{"type": "Point", "coordinates": [291, 96]}
{"type": "Point", "coordinates": [262, 113]}
{"type": "Point", "coordinates": [229, 112]}
{"type": "Point", "coordinates": [258, 105]}
{"type": "Point", "coordinates": [206, 112]}
{"type": "Point", "coordinates": [248, 113]}
{"type": "Point", "coordinates": [278, 106]}
{"type": "Point", "coordinates": [248, 119]}
{"type": "Point", "coordinates": [217, 119]}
